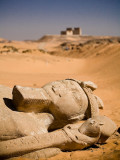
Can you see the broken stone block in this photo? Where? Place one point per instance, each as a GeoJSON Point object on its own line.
{"type": "Point", "coordinates": [29, 99]}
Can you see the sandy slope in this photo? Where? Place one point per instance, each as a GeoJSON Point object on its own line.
{"type": "Point", "coordinates": [35, 69]}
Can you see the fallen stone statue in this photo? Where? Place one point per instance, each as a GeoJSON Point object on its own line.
{"type": "Point", "coordinates": [30, 117]}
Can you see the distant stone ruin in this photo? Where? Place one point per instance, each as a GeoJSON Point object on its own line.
{"type": "Point", "coordinates": [70, 31]}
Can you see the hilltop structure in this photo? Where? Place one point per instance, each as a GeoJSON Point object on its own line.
{"type": "Point", "coordinates": [70, 31]}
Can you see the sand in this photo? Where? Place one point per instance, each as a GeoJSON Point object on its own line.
{"type": "Point", "coordinates": [37, 68]}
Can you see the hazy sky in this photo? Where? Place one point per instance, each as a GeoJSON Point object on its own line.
{"type": "Point", "coordinates": [31, 19]}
